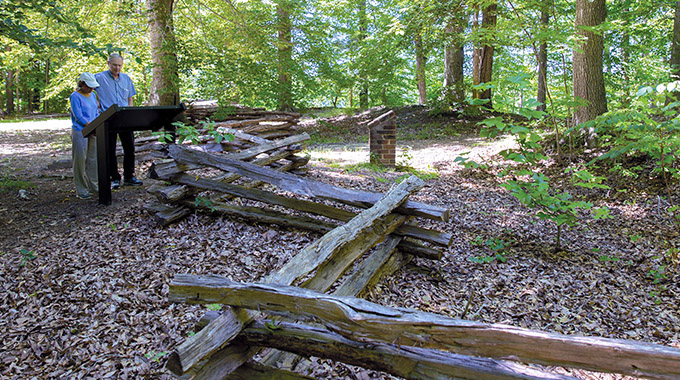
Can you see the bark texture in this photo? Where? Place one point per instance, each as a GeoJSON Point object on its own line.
{"type": "Point", "coordinates": [541, 95]}
{"type": "Point", "coordinates": [363, 76]}
{"type": "Point", "coordinates": [454, 58]}
{"type": "Point", "coordinates": [420, 69]}
{"type": "Point", "coordinates": [285, 56]}
{"type": "Point", "coordinates": [588, 74]}
{"type": "Point", "coordinates": [165, 80]}
{"type": "Point", "coordinates": [484, 61]}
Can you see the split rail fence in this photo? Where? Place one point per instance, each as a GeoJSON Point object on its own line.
{"type": "Point", "coordinates": [309, 306]}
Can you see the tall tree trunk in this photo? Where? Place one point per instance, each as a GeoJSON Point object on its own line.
{"type": "Point", "coordinates": [47, 83]}
{"type": "Point", "coordinates": [9, 88]}
{"type": "Point", "coordinates": [454, 58]}
{"type": "Point", "coordinates": [165, 78]}
{"type": "Point", "coordinates": [9, 92]}
{"type": "Point", "coordinates": [47, 69]}
{"type": "Point", "coordinates": [588, 74]}
{"type": "Point", "coordinates": [476, 55]}
{"type": "Point", "coordinates": [625, 57]}
{"type": "Point", "coordinates": [420, 69]}
{"type": "Point", "coordinates": [285, 55]}
{"type": "Point", "coordinates": [363, 76]}
{"type": "Point", "coordinates": [543, 59]}
{"type": "Point", "coordinates": [675, 48]}
{"type": "Point", "coordinates": [485, 55]}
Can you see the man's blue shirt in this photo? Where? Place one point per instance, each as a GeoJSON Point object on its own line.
{"type": "Point", "coordinates": [112, 91]}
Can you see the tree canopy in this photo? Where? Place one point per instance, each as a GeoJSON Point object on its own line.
{"type": "Point", "coordinates": [339, 50]}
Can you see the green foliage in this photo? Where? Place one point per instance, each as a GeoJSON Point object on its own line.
{"type": "Point", "coordinates": [190, 132]}
{"type": "Point", "coordinates": [229, 53]}
{"type": "Point", "coordinates": [497, 248]}
{"type": "Point", "coordinates": [26, 256]}
{"type": "Point", "coordinates": [155, 356]}
{"type": "Point", "coordinates": [9, 183]}
{"type": "Point", "coordinates": [204, 202]}
{"type": "Point", "coordinates": [649, 128]}
{"type": "Point", "coordinates": [524, 179]}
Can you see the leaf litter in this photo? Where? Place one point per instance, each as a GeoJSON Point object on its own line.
{"type": "Point", "coordinates": [92, 302]}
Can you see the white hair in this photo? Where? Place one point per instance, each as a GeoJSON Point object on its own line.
{"type": "Point", "coordinates": [114, 56]}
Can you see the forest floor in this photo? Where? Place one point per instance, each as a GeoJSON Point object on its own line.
{"type": "Point", "coordinates": [83, 287]}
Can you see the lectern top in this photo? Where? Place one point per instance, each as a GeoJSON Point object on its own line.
{"type": "Point", "coordinates": [135, 118]}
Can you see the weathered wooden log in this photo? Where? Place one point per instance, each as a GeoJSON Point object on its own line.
{"type": "Point", "coordinates": [244, 124]}
{"type": "Point", "coordinates": [332, 269]}
{"type": "Point", "coordinates": [171, 193]}
{"type": "Point", "coordinates": [325, 248]}
{"type": "Point", "coordinates": [209, 340]}
{"type": "Point", "coordinates": [278, 134]}
{"type": "Point", "coordinates": [403, 361]}
{"type": "Point", "coordinates": [239, 134]}
{"type": "Point", "coordinates": [384, 261]}
{"type": "Point", "coordinates": [264, 196]}
{"type": "Point", "coordinates": [419, 249]}
{"type": "Point", "coordinates": [261, 215]}
{"type": "Point", "coordinates": [253, 371]}
{"type": "Point", "coordinates": [424, 234]}
{"type": "Point", "coordinates": [266, 147]}
{"type": "Point", "coordinates": [366, 321]}
{"type": "Point", "coordinates": [302, 186]}
{"type": "Point", "coordinates": [314, 255]}
{"type": "Point", "coordinates": [165, 169]}
{"type": "Point", "coordinates": [154, 207]}
{"type": "Point", "coordinates": [301, 205]}
{"type": "Point", "coordinates": [168, 168]}
{"type": "Point", "coordinates": [164, 214]}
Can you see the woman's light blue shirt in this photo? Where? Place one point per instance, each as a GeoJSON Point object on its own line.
{"type": "Point", "coordinates": [84, 109]}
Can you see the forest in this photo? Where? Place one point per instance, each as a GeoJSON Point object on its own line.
{"type": "Point", "coordinates": [355, 54]}
{"type": "Point", "coordinates": [528, 227]}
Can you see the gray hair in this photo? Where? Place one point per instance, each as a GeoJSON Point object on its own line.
{"type": "Point", "coordinates": [114, 56]}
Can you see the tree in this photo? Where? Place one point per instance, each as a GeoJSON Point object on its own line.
{"type": "Point", "coordinates": [165, 78]}
{"type": "Point", "coordinates": [543, 58]}
{"type": "Point", "coordinates": [285, 55]}
{"type": "Point", "coordinates": [363, 34]}
{"type": "Point", "coordinates": [588, 73]}
{"type": "Point", "coordinates": [483, 56]}
{"type": "Point", "coordinates": [420, 68]}
{"type": "Point", "coordinates": [454, 57]}
{"type": "Point", "coordinates": [675, 46]}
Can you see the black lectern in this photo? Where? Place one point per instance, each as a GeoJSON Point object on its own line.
{"type": "Point", "coordinates": [117, 119]}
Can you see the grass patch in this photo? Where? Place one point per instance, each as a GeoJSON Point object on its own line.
{"type": "Point", "coordinates": [9, 184]}
{"type": "Point", "coordinates": [429, 131]}
{"type": "Point", "coordinates": [377, 168]}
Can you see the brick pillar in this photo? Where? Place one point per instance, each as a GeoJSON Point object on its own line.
{"type": "Point", "coordinates": [382, 139]}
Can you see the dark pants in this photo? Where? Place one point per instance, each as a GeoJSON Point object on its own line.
{"type": "Point", "coordinates": [127, 141]}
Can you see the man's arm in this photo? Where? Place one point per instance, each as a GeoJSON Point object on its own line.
{"type": "Point", "coordinates": [130, 101]}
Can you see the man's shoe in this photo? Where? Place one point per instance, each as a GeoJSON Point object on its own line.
{"type": "Point", "coordinates": [84, 196]}
{"type": "Point", "coordinates": [133, 181]}
{"type": "Point", "coordinates": [115, 184]}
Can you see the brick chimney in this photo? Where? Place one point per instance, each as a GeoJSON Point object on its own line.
{"type": "Point", "coordinates": [382, 139]}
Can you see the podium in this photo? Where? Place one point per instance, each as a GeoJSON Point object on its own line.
{"type": "Point", "coordinates": [116, 119]}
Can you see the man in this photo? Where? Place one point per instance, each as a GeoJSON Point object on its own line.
{"type": "Point", "coordinates": [117, 88]}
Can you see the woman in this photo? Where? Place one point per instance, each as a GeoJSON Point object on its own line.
{"type": "Point", "coordinates": [84, 109]}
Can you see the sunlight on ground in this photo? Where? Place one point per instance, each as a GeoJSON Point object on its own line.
{"type": "Point", "coordinates": [52, 124]}
{"type": "Point", "coordinates": [421, 155]}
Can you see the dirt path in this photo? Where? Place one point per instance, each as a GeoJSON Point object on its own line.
{"type": "Point", "coordinates": [83, 287]}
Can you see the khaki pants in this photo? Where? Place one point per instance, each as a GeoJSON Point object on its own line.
{"type": "Point", "coordinates": [84, 156]}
